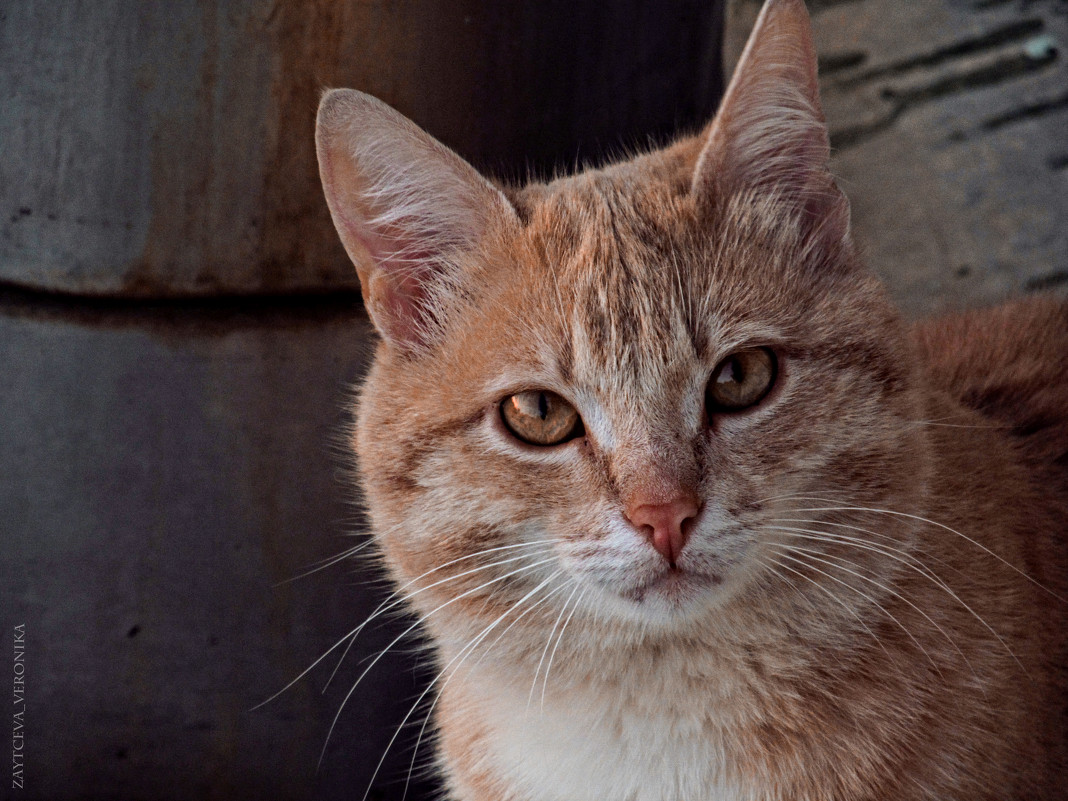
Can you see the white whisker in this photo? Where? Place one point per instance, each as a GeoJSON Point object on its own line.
{"type": "Point", "coordinates": [322, 564]}
{"type": "Point", "coordinates": [384, 607]}
{"type": "Point", "coordinates": [410, 629]}
{"type": "Point", "coordinates": [548, 642]}
{"type": "Point", "coordinates": [462, 656]}
{"type": "Point", "coordinates": [897, 554]}
{"type": "Point", "coordinates": [918, 547]}
{"type": "Point", "coordinates": [823, 559]}
{"type": "Point", "coordinates": [549, 666]}
{"type": "Point", "coordinates": [937, 422]}
{"type": "Point", "coordinates": [933, 523]}
{"type": "Point", "coordinates": [797, 591]}
{"type": "Point", "coordinates": [912, 563]}
{"type": "Point", "coordinates": [395, 599]}
{"type": "Point", "coordinates": [871, 600]}
{"type": "Point", "coordinates": [833, 597]}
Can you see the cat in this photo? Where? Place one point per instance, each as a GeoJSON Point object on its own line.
{"type": "Point", "coordinates": [686, 508]}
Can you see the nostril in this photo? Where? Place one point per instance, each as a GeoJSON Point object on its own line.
{"type": "Point", "coordinates": [688, 523]}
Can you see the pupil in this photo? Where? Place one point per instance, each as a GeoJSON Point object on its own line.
{"type": "Point", "coordinates": [543, 405]}
{"type": "Point", "coordinates": [736, 371]}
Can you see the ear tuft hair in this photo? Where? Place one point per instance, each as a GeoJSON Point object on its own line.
{"type": "Point", "coordinates": [769, 135]}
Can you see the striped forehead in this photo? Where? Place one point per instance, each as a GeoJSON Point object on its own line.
{"type": "Point", "coordinates": [630, 331]}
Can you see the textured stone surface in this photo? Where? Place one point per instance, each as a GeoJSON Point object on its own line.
{"type": "Point", "coordinates": [949, 124]}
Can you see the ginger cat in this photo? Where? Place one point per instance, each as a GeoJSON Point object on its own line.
{"type": "Point", "coordinates": [687, 510]}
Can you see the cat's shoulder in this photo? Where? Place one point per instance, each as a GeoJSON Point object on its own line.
{"type": "Point", "coordinates": [1010, 364]}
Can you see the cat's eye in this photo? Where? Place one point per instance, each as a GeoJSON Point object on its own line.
{"type": "Point", "coordinates": [540, 417]}
{"type": "Point", "coordinates": [741, 380]}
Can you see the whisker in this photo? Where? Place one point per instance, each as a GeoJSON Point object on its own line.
{"type": "Point", "coordinates": [464, 558]}
{"type": "Point", "coordinates": [510, 625]}
{"type": "Point", "coordinates": [870, 600]}
{"type": "Point", "coordinates": [310, 667]}
{"type": "Point", "coordinates": [384, 607]}
{"type": "Point", "coordinates": [395, 598]}
{"type": "Point", "coordinates": [322, 564]}
{"type": "Point", "coordinates": [897, 554]}
{"type": "Point", "coordinates": [412, 628]}
{"type": "Point", "coordinates": [916, 565]}
{"type": "Point", "coordinates": [933, 523]}
{"type": "Point", "coordinates": [937, 422]}
{"type": "Point", "coordinates": [549, 666]}
{"type": "Point", "coordinates": [833, 597]}
{"type": "Point", "coordinates": [548, 642]}
{"type": "Point", "coordinates": [792, 495]}
{"type": "Point", "coordinates": [462, 656]}
{"type": "Point", "coordinates": [879, 535]}
{"type": "Point", "coordinates": [816, 556]}
{"type": "Point", "coordinates": [797, 591]}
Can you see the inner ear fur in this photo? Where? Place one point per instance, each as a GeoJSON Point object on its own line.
{"type": "Point", "coordinates": [407, 209]}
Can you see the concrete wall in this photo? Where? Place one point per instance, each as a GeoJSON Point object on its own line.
{"type": "Point", "coordinates": [168, 467]}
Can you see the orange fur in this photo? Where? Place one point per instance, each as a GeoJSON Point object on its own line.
{"type": "Point", "coordinates": [872, 601]}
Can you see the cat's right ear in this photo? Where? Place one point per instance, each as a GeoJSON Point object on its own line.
{"type": "Point", "coordinates": [407, 209]}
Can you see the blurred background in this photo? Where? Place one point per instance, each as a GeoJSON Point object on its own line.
{"type": "Point", "coordinates": [180, 330]}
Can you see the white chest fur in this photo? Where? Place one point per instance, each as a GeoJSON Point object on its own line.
{"type": "Point", "coordinates": [593, 746]}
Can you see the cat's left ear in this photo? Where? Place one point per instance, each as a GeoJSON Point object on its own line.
{"type": "Point", "coordinates": [769, 135]}
{"type": "Point", "coordinates": [409, 211]}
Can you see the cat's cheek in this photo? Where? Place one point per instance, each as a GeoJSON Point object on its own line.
{"type": "Point", "coordinates": [608, 552]}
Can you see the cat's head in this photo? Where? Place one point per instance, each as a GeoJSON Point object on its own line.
{"type": "Point", "coordinates": [620, 383]}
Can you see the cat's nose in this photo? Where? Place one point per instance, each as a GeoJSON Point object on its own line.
{"type": "Point", "coordinates": [665, 524]}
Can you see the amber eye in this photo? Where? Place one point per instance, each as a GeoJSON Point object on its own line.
{"type": "Point", "coordinates": [540, 417]}
{"type": "Point", "coordinates": [741, 380]}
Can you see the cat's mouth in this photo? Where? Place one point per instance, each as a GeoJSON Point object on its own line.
{"type": "Point", "coordinates": [675, 586]}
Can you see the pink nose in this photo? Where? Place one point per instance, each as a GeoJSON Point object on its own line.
{"type": "Point", "coordinates": [664, 524]}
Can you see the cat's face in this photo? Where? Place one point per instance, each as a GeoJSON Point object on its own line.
{"type": "Point", "coordinates": [632, 311]}
{"type": "Point", "coordinates": [619, 387]}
